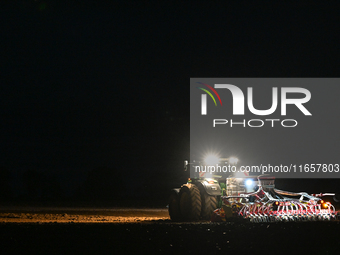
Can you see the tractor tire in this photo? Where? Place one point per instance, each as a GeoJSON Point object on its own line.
{"type": "Point", "coordinates": [190, 202]}
{"type": "Point", "coordinates": [209, 205]}
{"type": "Point", "coordinates": [174, 212]}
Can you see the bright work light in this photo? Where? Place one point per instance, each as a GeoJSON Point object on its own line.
{"type": "Point", "coordinates": [249, 183]}
{"type": "Point", "coordinates": [233, 160]}
{"type": "Point", "coordinates": [211, 159]}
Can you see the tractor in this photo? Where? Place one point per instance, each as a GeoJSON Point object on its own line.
{"type": "Point", "coordinates": [250, 198]}
{"type": "Point", "coordinates": [199, 197]}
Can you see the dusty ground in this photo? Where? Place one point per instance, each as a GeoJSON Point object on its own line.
{"type": "Point", "coordinates": [81, 215]}
{"type": "Point", "coordinates": [149, 231]}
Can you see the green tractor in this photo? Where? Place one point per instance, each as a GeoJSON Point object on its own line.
{"type": "Point", "coordinates": [200, 196]}
{"type": "Point", "coordinates": [239, 196]}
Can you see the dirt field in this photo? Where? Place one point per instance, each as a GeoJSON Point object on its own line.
{"type": "Point", "coordinates": [81, 215]}
{"type": "Point", "coordinates": [149, 231]}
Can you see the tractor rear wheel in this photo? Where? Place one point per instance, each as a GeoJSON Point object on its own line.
{"type": "Point", "coordinates": [190, 202]}
{"type": "Point", "coordinates": [174, 211]}
{"type": "Point", "coordinates": [209, 205]}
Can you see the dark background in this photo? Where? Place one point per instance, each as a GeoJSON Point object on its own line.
{"type": "Point", "coordinates": [94, 99]}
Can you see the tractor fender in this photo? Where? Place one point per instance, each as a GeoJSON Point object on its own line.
{"type": "Point", "coordinates": [211, 189]}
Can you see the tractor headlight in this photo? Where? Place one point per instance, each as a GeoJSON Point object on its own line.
{"type": "Point", "coordinates": [249, 183]}
{"type": "Point", "coordinates": [211, 160]}
{"type": "Point", "coordinates": [233, 160]}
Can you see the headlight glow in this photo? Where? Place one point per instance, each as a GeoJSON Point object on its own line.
{"type": "Point", "coordinates": [233, 160]}
{"type": "Point", "coordinates": [249, 182]}
{"type": "Point", "coordinates": [211, 159]}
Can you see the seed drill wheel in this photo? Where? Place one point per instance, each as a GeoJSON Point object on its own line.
{"type": "Point", "coordinates": [209, 205]}
{"type": "Point", "coordinates": [190, 202]}
{"type": "Point", "coordinates": [174, 211]}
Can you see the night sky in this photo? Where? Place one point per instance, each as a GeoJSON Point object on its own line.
{"type": "Point", "coordinates": [100, 91]}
